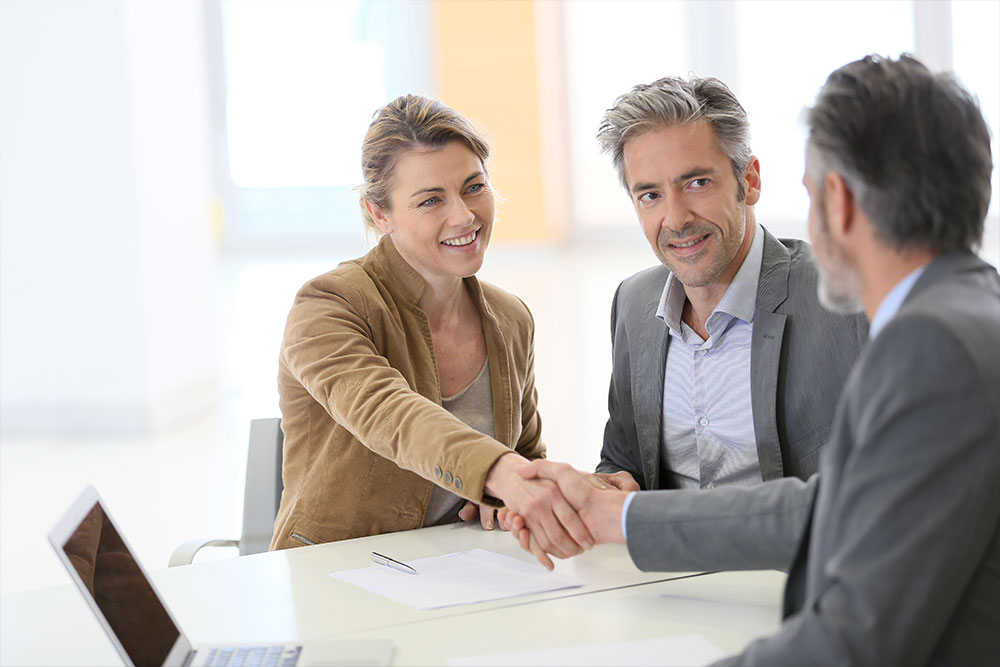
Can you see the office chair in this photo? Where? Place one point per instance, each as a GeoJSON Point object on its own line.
{"type": "Point", "coordinates": [261, 495]}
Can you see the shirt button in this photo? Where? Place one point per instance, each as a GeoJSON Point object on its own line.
{"type": "Point", "coordinates": [447, 478]}
{"type": "Point", "coordinates": [703, 352]}
{"type": "Point", "coordinates": [703, 421]}
{"type": "Point", "coordinates": [437, 471]}
{"type": "Point", "coordinates": [458, 483]}
{"type": "Point", "coordinates": [710, 486]}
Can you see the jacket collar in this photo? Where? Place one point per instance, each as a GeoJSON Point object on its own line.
{"type": "Point", "coordinates": [392, 269]}
{"type": "Point", "coordinates": [954, 261]}
{"type": "Point", "coordinates": [772, 288]}
{"type": "Point", "coordinates": [396, 271]}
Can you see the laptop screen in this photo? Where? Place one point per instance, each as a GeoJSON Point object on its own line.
{"type": "Point", "coordinates": [118, 585]}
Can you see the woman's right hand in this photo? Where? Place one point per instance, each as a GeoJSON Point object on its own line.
{"type": "Point", "coordinates": [553, 522]}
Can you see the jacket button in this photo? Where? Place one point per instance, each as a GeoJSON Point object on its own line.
{"type": "Point", "coordinates": [458, 483]}
{"type": "Point", "coordinates": [447, 478]}
{"type": "Point", "coordinates": [437, 471]}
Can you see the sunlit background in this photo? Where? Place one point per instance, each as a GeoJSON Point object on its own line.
{"type": "Point", "coordinates": [172, 171]}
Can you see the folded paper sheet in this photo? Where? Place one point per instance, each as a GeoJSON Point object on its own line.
{"type": "Point", "coordinates": [464, 577]}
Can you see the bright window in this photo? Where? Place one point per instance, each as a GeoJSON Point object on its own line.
{"type": "Point", "coordinates": [976, 58]}
{"type": "Point", "coordinates": [303, 79]}
{"type": "Point", "coordinates": [775, 55]}
{"type": "Point", "coordinates": [785, 51]}
{"type": "Point", "coordinates": [610, 48]}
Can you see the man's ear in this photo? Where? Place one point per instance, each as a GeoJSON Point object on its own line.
{"type": "Point", "coordinates": [379, 215]}
{"type": "Point", "coordinates": [751, 181]}
{"type": "Point", "coordinates": [840, 205]}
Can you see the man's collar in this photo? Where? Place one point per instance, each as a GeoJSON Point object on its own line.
{"type": "Point", "coordinates": [740, 299]}
{"type": "Point", "coordinates": [893, 300]}
{"type": "Point", "coordinates": [672, 303]}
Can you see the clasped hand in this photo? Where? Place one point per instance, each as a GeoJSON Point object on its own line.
{"type": "Point", "coordinates": [596, 500]}
{"type": "Point", "coordinates": [540, 507]}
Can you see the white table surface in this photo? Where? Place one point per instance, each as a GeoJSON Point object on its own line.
{"type": "Point", "coordinates": [289, 594]}
{"type": "Point", "coordinates": [727, 608]}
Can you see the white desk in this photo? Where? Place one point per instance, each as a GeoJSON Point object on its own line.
{"type": "Point", "coordinates": [290, 595]}
{"type": "Point", "coordinates": [728, 608]}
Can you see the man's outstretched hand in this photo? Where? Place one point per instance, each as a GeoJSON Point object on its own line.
{"type": "Point", "coordinates": [597, 503]}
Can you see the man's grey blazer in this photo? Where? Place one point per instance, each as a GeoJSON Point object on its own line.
{"type": "Point", "coordinates": [801, 355]}
{"type": "Point", "coordinates": [900, 563]}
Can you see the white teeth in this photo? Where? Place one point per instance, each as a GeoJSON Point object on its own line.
{"type": "Point", "coordinates": [465, 240]}
{"type": "Point", "coordinates": [688, 244]}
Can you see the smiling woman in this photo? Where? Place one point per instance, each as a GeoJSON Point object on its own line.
{"type": "Point", "coordinates": [406, 385]}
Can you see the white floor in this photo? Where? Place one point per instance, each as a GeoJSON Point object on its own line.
{"type": "Point", "coordinates": [187, 481]}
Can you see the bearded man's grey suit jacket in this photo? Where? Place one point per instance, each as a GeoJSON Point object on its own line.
{"type": "Point", "coordinates": [899, 556]}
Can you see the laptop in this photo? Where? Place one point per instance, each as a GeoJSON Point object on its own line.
{"type": "Point", "coordinates": [137, 620]}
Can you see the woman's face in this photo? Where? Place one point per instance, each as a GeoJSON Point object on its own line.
{"type": "Point", "coordinates": [441, 215]}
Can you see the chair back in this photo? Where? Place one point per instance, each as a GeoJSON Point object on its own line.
{"type": "Point", "coordinates": [262, 493]}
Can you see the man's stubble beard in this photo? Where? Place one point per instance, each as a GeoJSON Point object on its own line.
{"type": "Point", "coordinates": [711, 274]}
{"type": "Point", "coordinates": [839, 286]}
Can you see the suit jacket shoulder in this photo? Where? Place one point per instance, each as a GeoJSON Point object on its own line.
{"type": "Point", "coordinates": [950, 280]}
{"type": "Point", "coordinates": [639, 295]}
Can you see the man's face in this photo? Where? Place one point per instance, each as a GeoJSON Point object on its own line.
{"type": "Point", "coordinates": [839, 286]}
{"type": "Point", "coordinates": [686, 196]}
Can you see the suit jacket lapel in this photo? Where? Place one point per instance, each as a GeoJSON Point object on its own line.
{"type": "Point", "coordinates": [765, 359]}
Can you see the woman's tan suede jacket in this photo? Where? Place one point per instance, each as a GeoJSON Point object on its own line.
{"type": "Point", "coordinates": [366, 437]}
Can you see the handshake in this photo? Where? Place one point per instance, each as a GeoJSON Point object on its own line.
{"type": "Point", "coordinates": [554, 509]}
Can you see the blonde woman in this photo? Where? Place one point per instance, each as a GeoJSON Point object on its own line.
{"type": "Point", "coordinates": [406, 385]}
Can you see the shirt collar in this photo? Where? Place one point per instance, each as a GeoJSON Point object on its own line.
{"type": "Point", "coordinates": [739, 300]}
{"type": "Point", "coordinates": [893, 300]}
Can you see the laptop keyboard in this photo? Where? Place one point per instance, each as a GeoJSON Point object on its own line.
{"type": "Point", "coordinates": [254, 656]}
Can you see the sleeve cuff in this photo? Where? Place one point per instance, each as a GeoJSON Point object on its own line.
{"type": "Point", "coordinates": [628, 501]}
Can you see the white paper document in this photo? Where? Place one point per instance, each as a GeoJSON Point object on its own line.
{"type": "Point", "coordinates": [458, 578]}
{"type": "Point", "coordinates": [688, 650]}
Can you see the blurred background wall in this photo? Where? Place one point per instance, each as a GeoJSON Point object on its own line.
{"type": "Point", "coordinates": [172, 171]}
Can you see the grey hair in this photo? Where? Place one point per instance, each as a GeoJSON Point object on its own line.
{"type": "Point", "coordinates": [912, 147]}
{"type": "Point", "coordinates": [407, 123]}
{"type": "Point", "coordinates": [674, 101]}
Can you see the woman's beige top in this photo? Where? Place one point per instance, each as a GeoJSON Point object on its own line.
{"type": "Point", "coordinates": [366, 437]}
{"type": "Point", "coordinates": [474, 406]}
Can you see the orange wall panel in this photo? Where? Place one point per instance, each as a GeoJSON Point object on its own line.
{"type": "Point", "coordinates": [486, 69]}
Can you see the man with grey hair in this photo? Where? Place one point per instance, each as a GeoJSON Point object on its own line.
{"type": "Point", "coordinates": [726, 369]}
{"type": "Point", "coordinates": [899, 556]}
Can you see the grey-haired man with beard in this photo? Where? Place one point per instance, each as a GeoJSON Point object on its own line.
{"type": "Point", "coordinates": [899, 556]}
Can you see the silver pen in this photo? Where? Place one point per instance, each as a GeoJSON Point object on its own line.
{"type": "Point", "coordinates": [379, 559]}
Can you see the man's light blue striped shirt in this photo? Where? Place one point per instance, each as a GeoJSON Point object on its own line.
{"type": "Point", "coordinates": [708, 434]}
